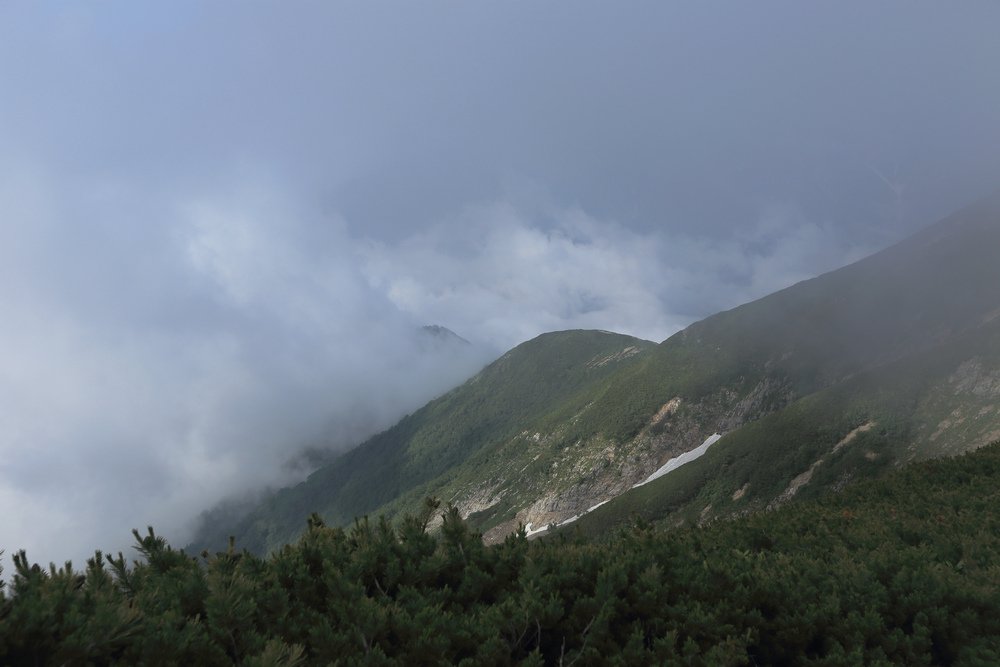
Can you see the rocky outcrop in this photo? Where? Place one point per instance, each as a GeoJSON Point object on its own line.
{"type": "Point", "coordinates": [976, 378]}
{"type": "Point", "coordinates": [678, 426]}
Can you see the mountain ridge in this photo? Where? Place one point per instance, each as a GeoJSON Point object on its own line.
{"type": "Point", "coordinates": [539, 375]}
{"type": "Point", "coordinates": [564, 450]}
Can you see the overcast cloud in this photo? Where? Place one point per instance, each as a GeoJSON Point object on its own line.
{"type": "Point", "coordinates": [222, 225]}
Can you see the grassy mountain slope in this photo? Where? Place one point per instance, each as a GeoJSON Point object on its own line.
{"type": "Point", "coordinates": [932, 403]}
{"type": "Point", "coordinates": [902, 340]}
{"type": "Point", "coordinates": [911, 301]}
{"type": "Point", "coordinates": [555, 373]}
{"type": "Point", "coordinates": [907, 298]}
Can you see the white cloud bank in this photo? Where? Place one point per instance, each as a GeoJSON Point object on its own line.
{"type": "Point", "coordinates": [157, 358]}
{"type": "Point", "coordinates": [498, 275]}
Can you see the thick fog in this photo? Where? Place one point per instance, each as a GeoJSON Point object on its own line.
{"type": "Point", "coordinates": [223, 225]}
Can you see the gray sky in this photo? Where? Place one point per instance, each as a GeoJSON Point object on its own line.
{"type": "Point", "coordinates": [221, 224]}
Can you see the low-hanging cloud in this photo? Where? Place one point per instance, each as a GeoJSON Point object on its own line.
{"type": "Point", "coordinates": [162, 354]}
{"type": "Point", "coordinates": [503, 275]}
{"type": "Point", "coordinates": [160, 357]}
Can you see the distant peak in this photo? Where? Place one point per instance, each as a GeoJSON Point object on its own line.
{"type": "Point", "coordinates": [443, 333]}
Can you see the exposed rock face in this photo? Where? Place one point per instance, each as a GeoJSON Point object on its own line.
{"type": "Point", "coordinates": [685, 425]}
{"type": "Point", "coordinates": [963, 413]}
{"type": "Point", "coordinates": [974, 377]}
{"type": "Point", "coordinates": [768, 395]}
{"type": "Point", "coordinates": [625, 353]}
{"type": "Point", "coordinates": [480, 500]}
{"type": "Point", "coordinates": [669, 408]}
{"type": "Point", "coordinates": [677, 427]}
{"type": "Point", "coordinates": [849, 438]}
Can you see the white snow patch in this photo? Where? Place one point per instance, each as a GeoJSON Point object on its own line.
{"type": "Point", "coordinates": [678, 461]}
{"type": "Point", "coordinates": [672, 464]}
{"type": "Point", "coordinates": [530, 532]}
{"type": "Point", "coordinates": [594, 507]}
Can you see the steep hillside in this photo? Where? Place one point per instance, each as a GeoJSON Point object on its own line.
{"type": "Point", "coordinates": [937, 402]}
{"type": "Point", "coordinates": [545, 379]}
{"type": "Point", "coordinates": [898, 349]}
{"type": "Point", "coordinates": [931, 302]}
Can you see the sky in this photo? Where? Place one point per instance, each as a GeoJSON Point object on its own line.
{"type": "Point", "coordinates": [223, 225]}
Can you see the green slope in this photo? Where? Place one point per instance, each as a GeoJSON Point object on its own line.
{"type": "Point", "coordinates": [907, 298]}
{"type": "Point", "coordinates": [552, 374]}
{"type": "Point", "coordinates": [921, 301]}
{"type": "Point", "coordinates": [548, 431]}
{"type": "Point", "coordinates": [935, 402]}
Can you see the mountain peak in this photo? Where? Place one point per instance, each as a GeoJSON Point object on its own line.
{"type": "Point", "coordinates": [441, 333]}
